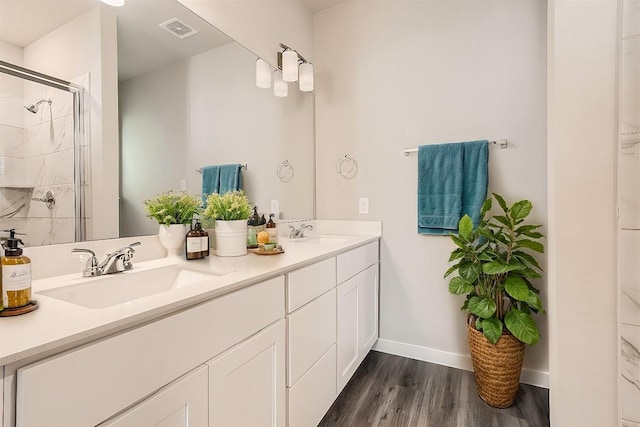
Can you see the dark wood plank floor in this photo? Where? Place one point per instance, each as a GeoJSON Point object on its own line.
{"type": "Point", "coordinates": [394, 391]}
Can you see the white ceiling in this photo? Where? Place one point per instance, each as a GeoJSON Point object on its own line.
{"type": "Point", "coordinates": [142, 44]}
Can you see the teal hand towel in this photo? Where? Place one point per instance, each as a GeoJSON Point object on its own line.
{"type": "Point", "coordinates": [475, 178]}
{"type": "Point", "coordinates": [440, 181]}
{"type": "Point", "coordinates": [230, 178]}
{"type": "Point", "coordinates": [452, 181]}
{"type": "Point", "coordinates": [210, 181]}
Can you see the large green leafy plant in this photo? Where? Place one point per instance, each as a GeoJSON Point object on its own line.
{"type": "Point", "coordinates": [495, 266]}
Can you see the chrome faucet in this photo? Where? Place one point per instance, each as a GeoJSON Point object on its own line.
{"type": "Point", "coordinates": [298, 233]}
{"type": "Point", "coordinates": [114, 262]}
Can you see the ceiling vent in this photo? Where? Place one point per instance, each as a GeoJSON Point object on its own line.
{"type": "Point", "coordinates": [178, 28]}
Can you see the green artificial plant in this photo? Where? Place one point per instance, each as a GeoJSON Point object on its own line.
{"type": "Point", "coordinates": [173, 208]}
{"type": "Point", "coordinates": [495, 267]}
{"type": "Point", "coordinates": [231, 206]}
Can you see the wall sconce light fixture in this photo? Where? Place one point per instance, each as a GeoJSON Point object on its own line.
{"type": "Point", "coordinates": [291, 67]}
{"type": "Point", "coordinates": [263, 74]}
{"type": "Point", "coordinates": [280, 87]}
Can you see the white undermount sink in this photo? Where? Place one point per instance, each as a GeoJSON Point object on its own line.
{"type": "Point", "coordinates": [113, 289]}
{"type": "Point", "coordinates": [323, 239]}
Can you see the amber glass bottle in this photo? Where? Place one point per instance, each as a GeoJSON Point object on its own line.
{"type": "Point", "coordinates": [193, 248]}
{"type": "Point", "coordinates": [204, 240]}
{"type": "Point", "coordinates": [15, 282]}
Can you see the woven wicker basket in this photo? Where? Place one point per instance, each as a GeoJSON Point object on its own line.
{"type": "Point", "coordinates": [496, 367]}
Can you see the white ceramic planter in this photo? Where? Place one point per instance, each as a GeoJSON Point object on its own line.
{"type": "Point", "coordinates": [231, 237]}
{"type": "Point", "coordinates": [172, 237]}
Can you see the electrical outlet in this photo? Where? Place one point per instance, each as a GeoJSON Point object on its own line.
{"type": "Point", "coordinates": [183, 184]}
{"type": "Point", "coordinates": [275, 208]}
{"type": "Point", "coordinates": [363, 205]}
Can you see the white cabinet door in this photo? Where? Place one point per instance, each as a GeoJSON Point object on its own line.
{"type": "Point", "coordinates": [347, 331]}
{"type": "Point", "coordinates": [181, 403]}
{"type": "Point", "coordinates": [312, 332]}
{"type": "Point", "coordinates": [357, 323]}
{"type": "Point", "coordinates": [313, 394]}
{"type": "Point", "coordinates": [247, 382]}
{"type": "Point", "coordinates": [1, 395]}
{"type": "Point", "coordinates": [367, 311]}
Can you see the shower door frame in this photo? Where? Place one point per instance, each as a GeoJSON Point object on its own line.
{"type": "Point", "coordinates": [80, 132]}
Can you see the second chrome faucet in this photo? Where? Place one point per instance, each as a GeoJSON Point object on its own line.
{"type": "Point", "coordinates": [114, 262]}
{"type": "Point", "coordinates": [298, 233]}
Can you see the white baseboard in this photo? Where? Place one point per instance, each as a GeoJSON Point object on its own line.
{"type": "Point", "coordinates": [453, 360]}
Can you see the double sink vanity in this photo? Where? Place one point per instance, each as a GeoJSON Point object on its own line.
{"type": "Point", "coordinates": [245, 341]}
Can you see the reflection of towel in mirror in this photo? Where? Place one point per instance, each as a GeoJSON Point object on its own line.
{"type": "Point", "coordinates": [452, 182]}
{"type": "Point", "coordinates": [230, 178]}
{"type": "Point", "coordinates": [210, 180]}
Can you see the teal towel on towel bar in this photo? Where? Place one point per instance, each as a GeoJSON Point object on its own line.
{"type": "Point", "coordinates": [230, 178]}
{"type": "Point", "coordinates": [452, 182]}
{"type": "Point", "coordinates": [210, 181]}
{"type": "Point", "coordinates": [439, 187]}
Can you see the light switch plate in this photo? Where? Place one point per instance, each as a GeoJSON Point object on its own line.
{"type": "Point", "coordinates": [363, 205]}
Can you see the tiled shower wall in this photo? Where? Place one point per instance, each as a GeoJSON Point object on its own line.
{"type": "Point", "coordinates": [49, 157]}
{"type": "Point", "coordinates": [36, 156]}
{"type": "Point", "coordinates": [629, 215]}
{"type": "Point", "coordinates": [14, 191]}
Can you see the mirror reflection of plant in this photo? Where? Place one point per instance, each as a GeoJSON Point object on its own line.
{"type": "Point", "coordinates": [495, 269]}
{"type": "Point", "coordinates": [173, 208]}
{"type": "Point", "coordinates": [230, 206]}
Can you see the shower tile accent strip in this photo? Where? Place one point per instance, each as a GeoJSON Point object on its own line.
{"type": "Point", "coordinates": [630, 371]}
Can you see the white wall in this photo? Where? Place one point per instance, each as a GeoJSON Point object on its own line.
{"type": "Point", "coordinates": [395, 75]}
{"type": "Point", "coordinates": [260, 25]}
{"type": "Point", "coordinates": [154, 131]}
{"type": "Point", "coordinates": [582, 224]}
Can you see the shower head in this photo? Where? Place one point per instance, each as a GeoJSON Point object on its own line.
{"type": "Point", "coordinates": [33, 108]}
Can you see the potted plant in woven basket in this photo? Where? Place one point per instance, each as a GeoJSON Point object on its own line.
{"type": "Point", "coordinates": [494, 267]}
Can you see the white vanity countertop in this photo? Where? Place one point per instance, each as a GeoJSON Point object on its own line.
{"type": "Point", "coordinates": [58, 325]}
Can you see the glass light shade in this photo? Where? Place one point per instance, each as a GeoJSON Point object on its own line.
{"type": "Point", "coordinates": [263, 74]}
{"type": "Point", "coordinates": [306, 77]}
{"type": "Point", "coordinates": [280, 87]}
{"type": "Point", "coordinates": [116, 3]}
{"type": "Point", "coordinates": [289, 65]}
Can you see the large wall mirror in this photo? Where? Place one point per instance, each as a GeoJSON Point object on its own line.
{"type": "Point", "coordinates": [180, 98]}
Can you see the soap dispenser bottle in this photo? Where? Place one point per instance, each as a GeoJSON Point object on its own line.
{"type": "Point", "coordinates": [271, 229]}
{"type": "Point", "coordinates": [15, 281]}
{"type": "Point", "coordinates": [204, 240]}
{"type": "Point", "coordinates": [193, 248]}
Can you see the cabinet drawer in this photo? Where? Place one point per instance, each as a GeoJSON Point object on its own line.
{"type": "Point", "coordinates": [87, 385]}
{"type": "Point", "coordinates": [310, 282]}
{"type": "Point", "coordinates": [352, 262]}
{"type": "Point", "coordinates": [312, 331]}
{"type": "Point", "coordinates": [313, 395]}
